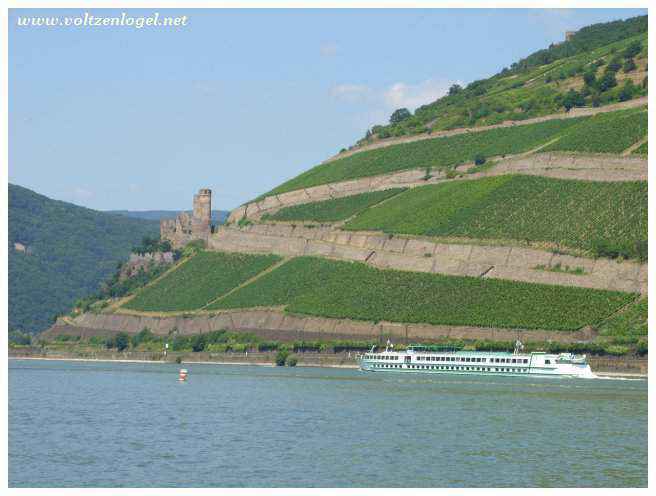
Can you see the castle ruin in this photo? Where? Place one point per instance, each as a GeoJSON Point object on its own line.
{"type": "Point", "coordinates": [185, 227]}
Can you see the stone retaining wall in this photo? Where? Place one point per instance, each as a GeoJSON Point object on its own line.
{"type": "Point", "coordinates": [590, 167]}
{"type": "Point", "coordinates": [424, 255]}
{"type": "Point", "coordinates": [312, 327]}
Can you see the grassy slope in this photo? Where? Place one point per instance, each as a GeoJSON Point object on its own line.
{"type": "Point", "coordinates": [572, 213]}
{"type": "Point", "coordinates": [333, 210]}
{"type": "Point", "coordinates": [608, 133]}
{"type": "Point", "coordinates": [440, 153]}
{"type": "Point", "coordinates": [73, 249]}
{"type": "Point", "coordinates": [352, 290]}
{"type": "Point", "coordinates": [203, 278]}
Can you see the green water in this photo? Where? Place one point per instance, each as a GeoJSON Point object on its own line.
{"type": "Point", "coordinates": [123, 424]}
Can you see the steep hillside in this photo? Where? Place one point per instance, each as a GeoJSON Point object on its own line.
{"type": "Point", "coordinates": [59, 252]}
{"type": "Point", "coordinates": [523, 213]}
{"type": "Point", "coordinates": [568, 74]}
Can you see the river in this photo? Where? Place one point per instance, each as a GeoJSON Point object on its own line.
{"type": "Point", "coordinates": [95, 424]}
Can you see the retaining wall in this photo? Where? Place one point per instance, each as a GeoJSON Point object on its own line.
{"type": "Point", "coordinates": [424, 255]}
{"type": "Point", "coordinates": [300, 327]}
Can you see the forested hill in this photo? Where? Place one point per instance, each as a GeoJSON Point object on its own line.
{"type": "Point", "coordinates": [59, 252]}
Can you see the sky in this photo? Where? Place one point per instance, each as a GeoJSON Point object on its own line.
{"type": "Point", "coordinates": [237, 100]}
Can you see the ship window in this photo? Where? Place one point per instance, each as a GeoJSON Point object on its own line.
{"type": "Point", "coordinates": [547, 362]}
{"type": "Point", "coordinates": [514, 361]}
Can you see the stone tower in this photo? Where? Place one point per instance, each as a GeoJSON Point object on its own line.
{"type": "Point", "coordinates": [201, 221]}
{"type": "Point", "coordinates": [186, 227]}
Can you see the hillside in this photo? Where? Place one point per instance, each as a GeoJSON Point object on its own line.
{"type": "Point", "coordinates": [59, 252]}
{"type": "Point", "coordinates": [568, 74]}
{"type": "Point", "coordinates": [526, 221]}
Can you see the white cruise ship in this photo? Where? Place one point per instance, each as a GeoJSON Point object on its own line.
{"type": "Point", "coordinates": [433, 360]}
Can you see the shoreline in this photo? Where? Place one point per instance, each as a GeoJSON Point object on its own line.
{"type": "Point", "coordinates": [601, 374]}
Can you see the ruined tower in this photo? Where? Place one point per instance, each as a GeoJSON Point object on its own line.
{"type": "Point", "coordinates": [201, 220]}
{"type": "Point", "coordinates": [186, 227]}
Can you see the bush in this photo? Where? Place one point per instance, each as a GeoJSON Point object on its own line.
{"type": "Point", "coordinates": [479, 159]}
{"type": "Point", "coordinates": [632, 50]}
{"type": "Point", "coordinates": [268, 346]}
{"type": "Point", "coordinates": [607, 82]}
{"type": "Point", "coordinates": [614, 65]}
{"type": "Point", "coordinates": [627, 91]}
{"type": "Point", "coordinates": [629, 66]}
{"type": "Point", "coordinates": [143, 336]}
{"type": "Point", "coordinates": [400, 115]}
{"type": "Point", "coordinates": [281, 358]}
{"type": "Point", "coordinates": [292, 361]}
{"type": "Point", "coordinates": [198, 343]}
{"type": "Point", "coordinates": [122, 341]}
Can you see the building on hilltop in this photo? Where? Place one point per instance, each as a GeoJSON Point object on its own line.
{"type": "Point", "coordinates": [185, 227]}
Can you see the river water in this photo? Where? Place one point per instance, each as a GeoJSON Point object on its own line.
{"type": "Point", "coordinates": [133, 424]}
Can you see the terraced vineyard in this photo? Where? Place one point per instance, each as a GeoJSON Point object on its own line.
{"type": "Point", "coordinates": [642, 149]}
{"type": "Point", "coordinates": [632, 321]}
{"type": "Point", "coordinates": [353, 290]}
{"type": "Point", "coordinates": [333, 210]}
{"type": "Point", "coordinates": [613, 132]}
{"type": "Point", "coordinates": [577, 214]}
{"type": "Point", "coordinates": [439, 153]}
{"type": "Point", "coordinates": [200, 280]}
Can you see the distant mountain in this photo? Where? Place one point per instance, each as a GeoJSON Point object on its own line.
{"type": "Point", "coordinates": [59, 252]}
{"type": "Point", "coordinates": [217, 215]}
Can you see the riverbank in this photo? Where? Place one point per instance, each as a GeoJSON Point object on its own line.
{"type": "Point", "coordinates": [631, 367]}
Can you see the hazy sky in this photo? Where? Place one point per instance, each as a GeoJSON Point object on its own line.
{"type": "Point", "coordinates": [239, 100]}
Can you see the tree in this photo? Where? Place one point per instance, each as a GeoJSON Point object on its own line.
{"type": "Point", "coordinates": [198, 343]}
{"type": "Point", "coordinates": [614, 65]}
{"type": "Point", "coordinates": [400, 115]}
{"type": "Point", "coordinates": [455, 89]}
{"type": "Point", "coordinates": [607, 82]}
{"type": "Point", "coordinates": [281, 358]}
{"type": "Point", "coordinates": [629, 66]}
{"type": "Point", "coordinates": [627, 91]}
{"type": "Point", "coordinates": [122, 341]}
{"type": "Point", "coordinates": [573, 99]}
{"type": "Point", "coordinates": [590, 77]}
{"type": "Point", "coordinates": [632, 50]}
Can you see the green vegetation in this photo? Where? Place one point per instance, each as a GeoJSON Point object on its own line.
{"type": "Point", "coordinates": [333, 210]}
{"type": "Point", "coordinates": [328, 288]}
{"type": "Point", "coordinates": [545, 82]}
{"type": "Point", "coordinates": [281, 358]}
{"type": "Point", "coordinates": [201, 279]}
{"type": "Point", "coordinates": [439, 153]}
{"type": "Point", "coordinates": [642, 149]}
{"type": "Point", "coordinates": [612, 132]}
{"type": "Point", "coordinates": [631, 321]}
{"type": "Point", "coordinates": [609, 219]}
{"type": "Point", "coordinates": [70, 250]}
{"type": "Point", "coordinates": [239, 342]}
{"type": "Point", "coordinates": [566, 269]}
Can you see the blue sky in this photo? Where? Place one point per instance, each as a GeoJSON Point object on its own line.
{"type": "Point", "coordinates": [237, 100]}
